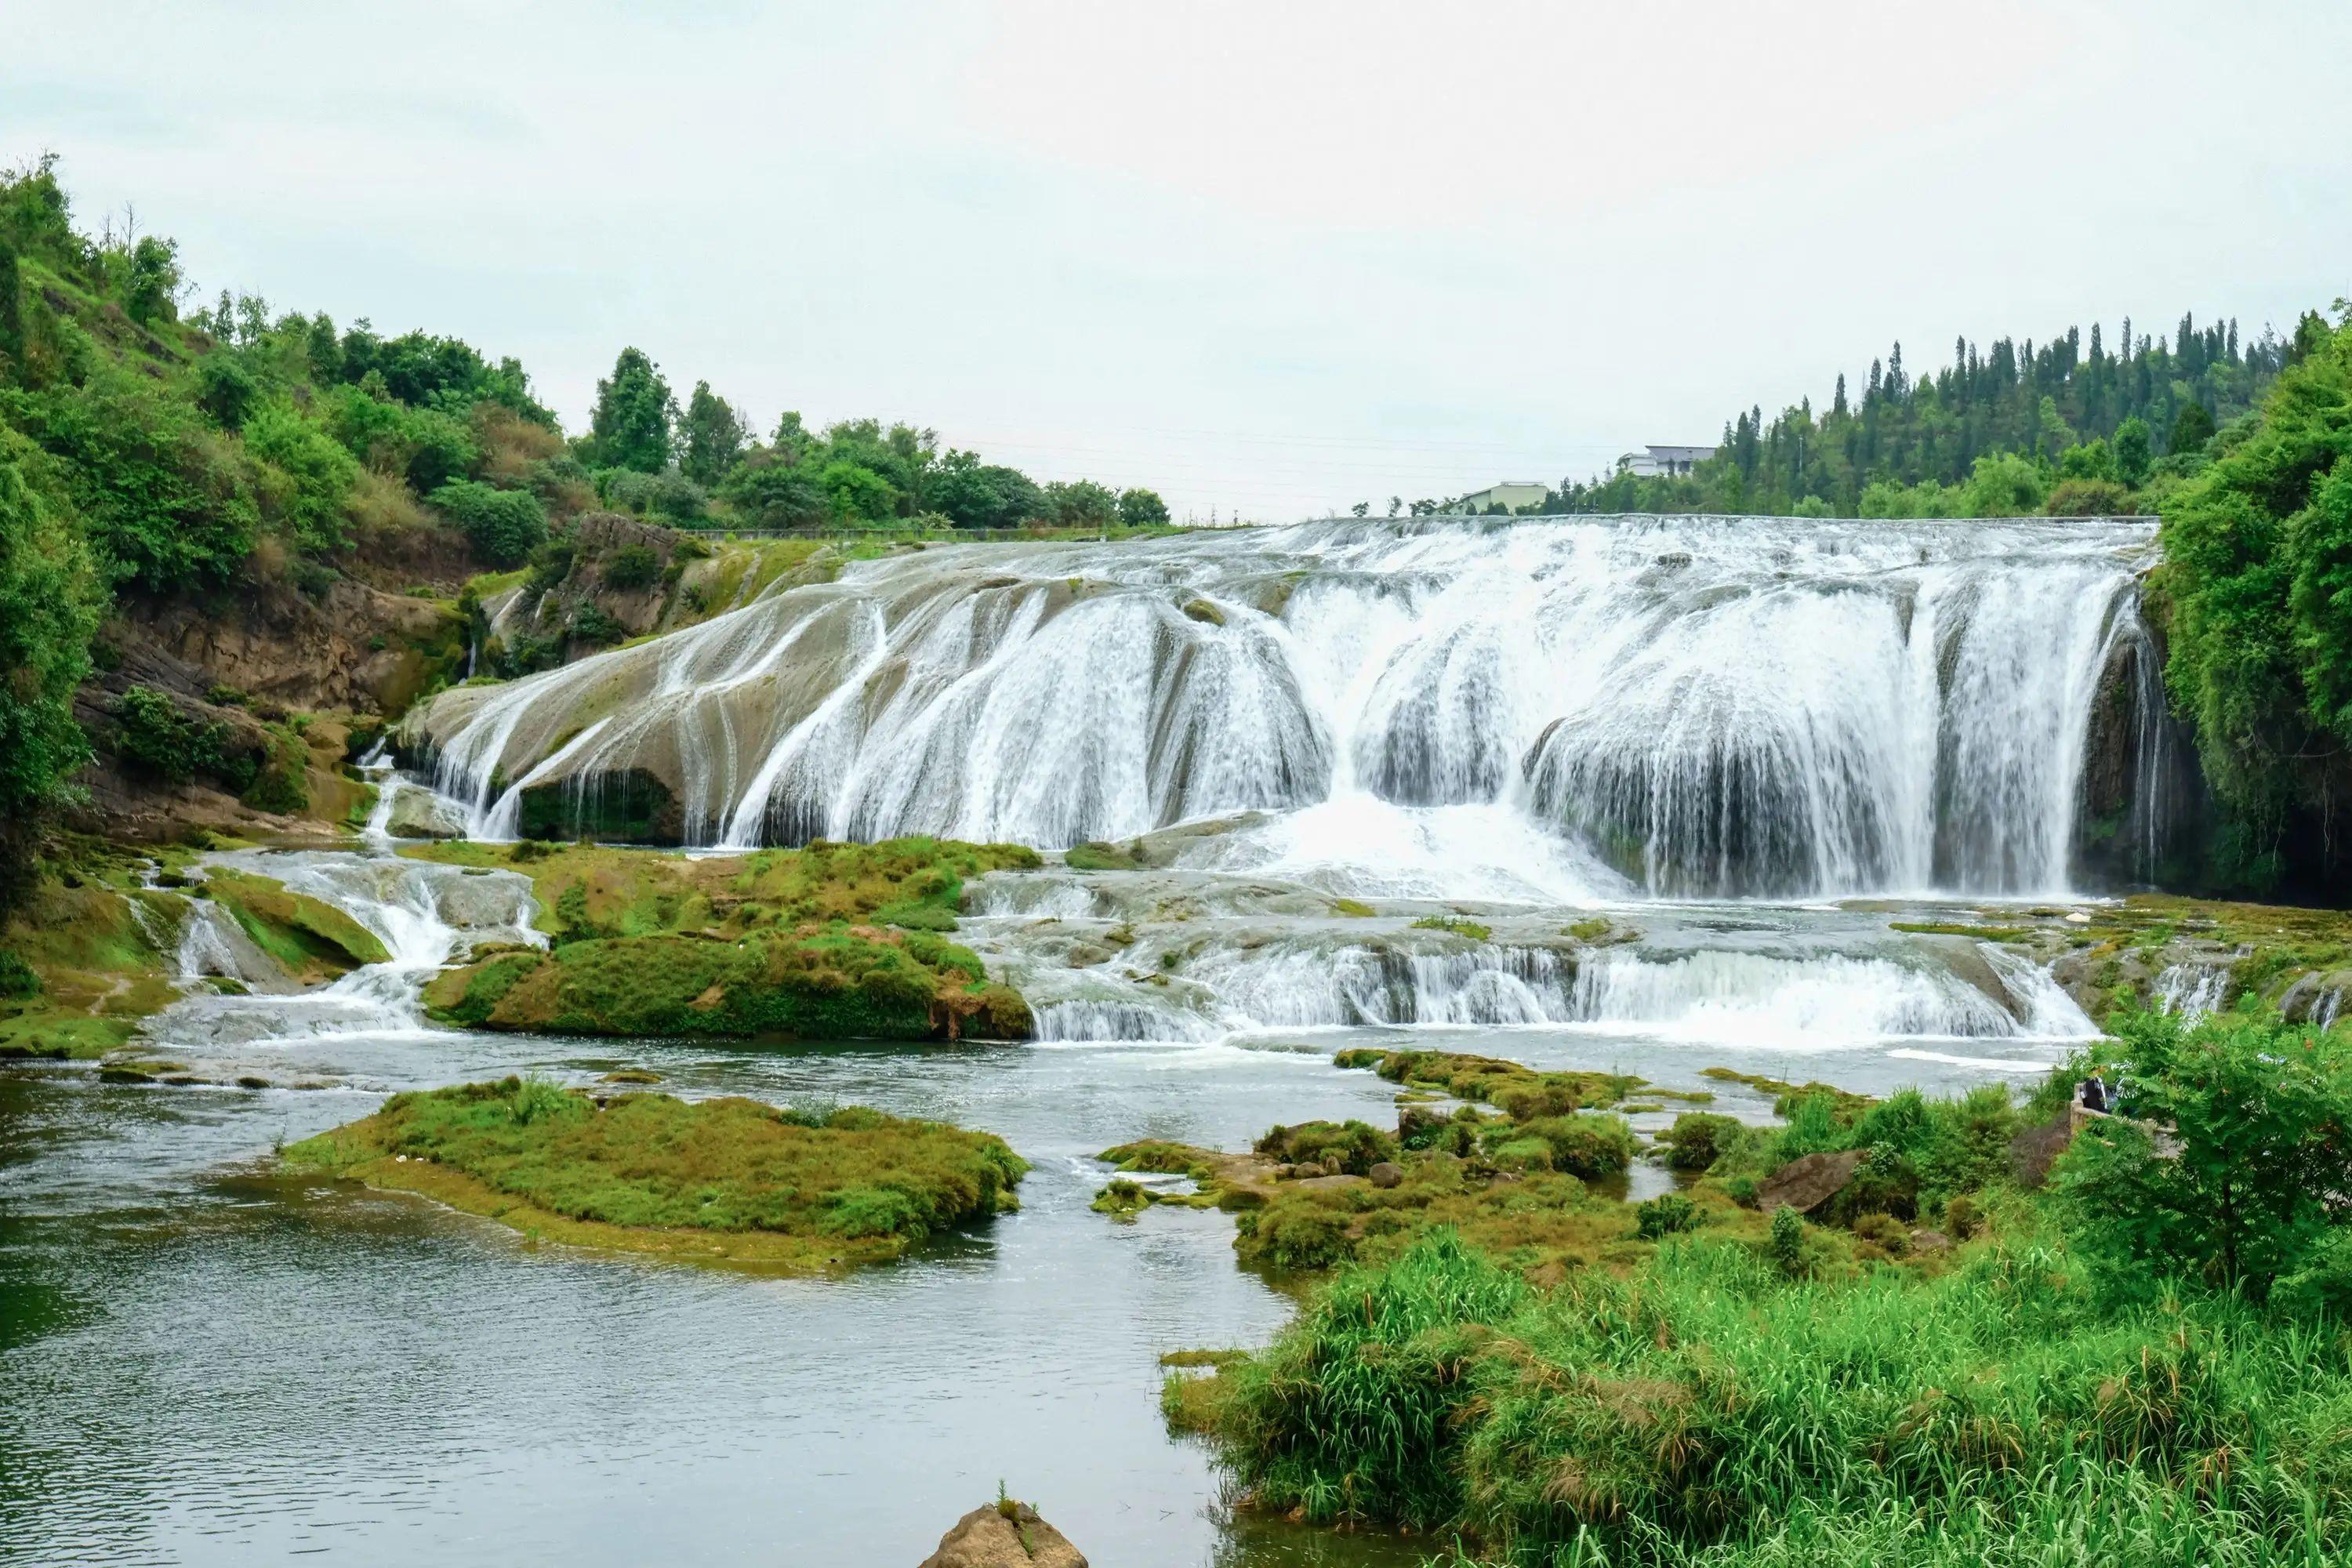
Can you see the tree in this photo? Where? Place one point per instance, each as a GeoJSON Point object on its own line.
{"type": "Point", "coordinates": [2253, 1114]}
{"type": "Point", "coordinates": [226, 389]}
{"type": "Point", "coordinates": [1080, 503]}
{"type": "Point", "coordinates": [1141, 509]}
{"type": "Point", "coordinates": [153, 283]}
{"type": "Point", "coordinates": [2134, 452]}
{"type": "Point", "coordinates": [1360, 509]}
{"type": "Point", "coordinates": [630, 427]}
{"type": "Point", "coordinates": [767, 493]}
{"type": "Point", "coordinates": [857, 493]}
{"type": "Point", "coordinates": [2191, 428]}
{"type": "Point", "coordinates": [50, 600]}
{"type": "Point", "coordinates": [712, 434]}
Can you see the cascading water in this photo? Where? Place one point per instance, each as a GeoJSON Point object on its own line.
{"type": "Point", "coordinates": [1535, 714]}
{"type": "Point", "coordinates": [422, 912]}
{"type": "Point", "coordinates": [1707, 707]}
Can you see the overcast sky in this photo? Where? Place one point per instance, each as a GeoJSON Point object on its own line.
{"type": "Point", "coordinates": [1266, 257]}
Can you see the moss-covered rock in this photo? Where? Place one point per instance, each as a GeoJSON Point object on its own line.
{"type": "Point", "coordinates": [313, 939]}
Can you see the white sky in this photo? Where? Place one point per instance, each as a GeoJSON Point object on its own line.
{"type": "Point", "coordinates": [1265, 256]}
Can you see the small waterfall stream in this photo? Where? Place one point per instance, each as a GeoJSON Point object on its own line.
{"type": "Point", "coordinates": [423, 914]}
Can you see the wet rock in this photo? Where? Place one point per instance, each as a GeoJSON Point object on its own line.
{"type": "Point", "coordinates": [1386, 1173]}
{"type": "Point", "coordinates": [1005, 1536]}
{"type": "Point", "coordinates": [1805, 1183]}
{"type": "Point", "coordinates": [2032, 1151]}
{"type": "Point", "coordinates": [419, 814]}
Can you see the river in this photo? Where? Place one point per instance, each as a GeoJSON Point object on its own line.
{"type": "Point", "coordinates": [1740, 755]}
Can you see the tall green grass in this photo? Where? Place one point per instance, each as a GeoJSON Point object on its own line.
{"type": "Point", "coordinates": [1708, 1409]}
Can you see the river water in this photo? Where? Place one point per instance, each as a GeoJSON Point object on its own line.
{"type": "Point", "coordinates": [1662, 762]}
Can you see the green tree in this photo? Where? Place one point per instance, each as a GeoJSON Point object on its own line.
{"type": "Point", "coordinates": [712, 434]}
{"type": "Point", "coordinates": [2135, 452]}
{"type": "Point", "coordinates": [1080, 503]}
{"type": "Point", "coordinates": [2235, 1139]}
{"type": "Point", "coordinates": [2191, 428]}
{"type": "Point", "coordinates": [1142, 509]}
{"type": "Point", "coordinates": [857, 493]}
{"type": "Point", "coordinates": [226, 388]}
{"type": "Point", "coordinates": [50, 600]}
{"type": "Point", "coordinates": [152, 281]}
{"type": "Point", "coordinates": [630, 427]}
{"type": "Point", "coordinates": [766, 492]}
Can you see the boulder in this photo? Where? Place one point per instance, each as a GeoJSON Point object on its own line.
{"type": "Point", "coordinates": [1808, 1182]}
{"type": "Point", "coordinates": [1386, 1173]}
{"type": "Point", "coordinates": [420, 814]}
{"type": "Point", "coordinates": [988, 1536]}
{"type": "Point", "coordinates": [2032, 1151]}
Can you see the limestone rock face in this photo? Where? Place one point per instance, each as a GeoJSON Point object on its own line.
{"type": "Point", "coordinates": [985, 1538]}
{"type": "Point", "coordinates": [1807, 1182]}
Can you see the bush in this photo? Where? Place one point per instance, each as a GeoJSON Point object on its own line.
{"type": "Point", "coordinates": [505, 526]}
{"type": "Point", "coordinates": [156, 738]}
{"type": "Point", "coordinates": [320, 472]}
{"type": "Point", "coordinates": [591, 625]}
{"type": "Point", "coordinates": [1698, 1139]}
{"type": "Point", "coordinates": [631, 567]}
{"type": "Point", "coordinates": [17, 981]}
{"type": "Point", "coordinates": [1666, 1215]}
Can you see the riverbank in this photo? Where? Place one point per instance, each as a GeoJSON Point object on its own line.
{"type": "Point", "coordinates": [1938, 1347]}
{"type": "Point", "coordinates": [726, 1180]}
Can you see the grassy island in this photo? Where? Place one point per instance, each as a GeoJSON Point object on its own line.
{"type": "Point", "coordinates": [836, 940]}
{"type": "Point", "coordinates": [729, 1181]}
{"type": "Point", "coordinates": [1898, 1332]}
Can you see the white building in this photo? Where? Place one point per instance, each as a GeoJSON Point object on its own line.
{"type": "Point", "coordinates": [1508, 496]}
{"type": "Point", "coordinates": [1664, 460]}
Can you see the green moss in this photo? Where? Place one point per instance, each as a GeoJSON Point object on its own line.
{"type": "Point", "coordinates": [726, 1178]}
{"type": "Point", "coordinates": [1951, 928]}
{"type": "Point", "coordinates": [312, 939]}
{"type": "Point", "coordinates": [1456, 924]}
{"type": "Point", "coordinates": [1097, 856]}
{"type": "Point", "coordinates": [1354, 909]}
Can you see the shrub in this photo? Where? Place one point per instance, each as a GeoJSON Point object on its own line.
{"type": "Point", "coordinates": [1698, 1139]}
{"type": "Point", "coordinates": [319, 471]}
{"type": "Point", "coordinates": [631, 567]}
{"type": "Point", "coordinates": [155, 737]}
{"type": "Point", "coordinates": [590, 625]}
{"type": "Point", "coordinates": [1788, 1242]}
{"type": "Point", "coordinates": [504, 526]}
{"type": "Point", "coordinates": [17, 981]}
{"type": "Point", "coordinates": [1666, 1215]}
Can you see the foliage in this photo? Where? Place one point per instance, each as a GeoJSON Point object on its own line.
{"type": "Point", "coordinates": [630, 567]}
{"type": "Point", "coordinates": [153, 735]}
{"type": "Point", "coordinates": [1710, 1408]}
{"type": "Point", "coordinates": [2227, 1160]}
{"type": "Point", "coordinates": [505, 526]}
{"type": "Point", "coordinates": [630, 426]}
{"type": "Point", "coordinates": [711, 436]}
{"type": "Point", "coordinates": [50, 600]}
{"type": "Point", "coordinates": [2257, 584]}
{"type": "Point", "coordinates": [1919, 447]}
{"type": "Point", "coordinates": [321, 470]}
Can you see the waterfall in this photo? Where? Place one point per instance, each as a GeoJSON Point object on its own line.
{"type": "Point", "coordinates": [423, 913]}
{"type": "Point", "coordinates": [1678, 707]}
